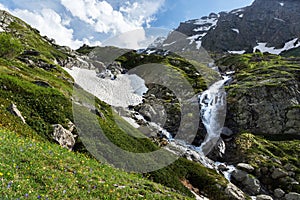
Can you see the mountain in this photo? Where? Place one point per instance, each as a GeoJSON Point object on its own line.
{"type": "Point", "coordinates": [43, 109]}
{"type": "Point", "coordinates": [267, 26]}
{"type": "Point", "coordinates": [37, 98]}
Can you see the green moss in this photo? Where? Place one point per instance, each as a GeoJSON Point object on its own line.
{"type": "Point", "coordinates": [10, 46]}
{"type": "Point", "coordinates": [206, 180]}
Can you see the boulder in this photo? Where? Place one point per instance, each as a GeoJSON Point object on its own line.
{"type": "Point", "coordinates": [279, 173]}
{"type": "Point", "coordinates": [292, 196]}
{"type": "Point", "coordinates": [64, 137]}
{"type": "Point", "coordinates": [15, 111]}
{"type": "Point", "coordinates": [42, 84]}
{"type": "Point", "coordinates": [263, 197]}
{"type": "Point", "coordinates": [239, 175]}
{"type": "Point", "coordinates": [234, 192]}
{"type": "Point", "coordinates": [227, 132]}
{"type": "Point", "coordinates": [279, 193]}
{"type": "Point", "coordinates": [252, 185]}
{"type": "Point", "coordinates": [245, 167]}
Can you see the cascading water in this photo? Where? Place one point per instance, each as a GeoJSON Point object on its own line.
{"type": "Point", "coordinates": [213, 113]}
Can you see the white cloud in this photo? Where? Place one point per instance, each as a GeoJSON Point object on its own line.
{"type": "Point", "coordinates": [49, 23]}
{"type": "Point", "coordinates": [105, 19]}
{"type": "Point", "coordinates": [131, 39]}
{"type": "Point", "coordinates": [64, 20]}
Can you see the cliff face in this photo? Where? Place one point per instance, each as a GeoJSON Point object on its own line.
{"type": "Point", "coordinates": [265, 21]}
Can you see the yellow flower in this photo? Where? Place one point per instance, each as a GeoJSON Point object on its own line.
{"type": "Point", "coordinates": [1, 174]}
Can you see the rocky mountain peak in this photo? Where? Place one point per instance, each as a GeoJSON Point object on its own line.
{"type": "Point", "coordinates": [267, 25]}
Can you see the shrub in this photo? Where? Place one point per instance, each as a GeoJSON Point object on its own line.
{"type": "Point", "coordinates": [10, 46]}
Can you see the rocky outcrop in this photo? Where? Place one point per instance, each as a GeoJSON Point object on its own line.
{"type": "Point", "coordinates": [263, 99]}
{"type": "Point", "coordinates": [64, 137]}
{"type": "Point", "coordinates": [15, 111]}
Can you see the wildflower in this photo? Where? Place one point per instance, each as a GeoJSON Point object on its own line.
{"type": "Point", "coordinates": [39, 197]}
{"type": "Point", "coordinates": [1, 174]}
{"type": "Point", "coordinates": [26, 195]}
{"type": "Point", "coordinates": [9, 185]}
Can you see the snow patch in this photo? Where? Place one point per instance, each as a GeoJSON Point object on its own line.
{"type": "Point", "coordinates": [237, 52]}
{"type": "Point", "coordinates": [149, 52]}
{"type": "Point", "coordinates": [237, 11]}
{"type": "Point", "coordinates": [166, 45]}
{"type": "Point", "coordinates": [262, 47]}
{"type": "Point", "coordinates": [241, 15]}
{"type": "Point", "coordinates": [125, 90]}
{"type": "Point", "coordinates": [281, 3]}
{"type": "Point", "coordinates": [1, 30]}
{"type": "Point", "coordinates": [202, 28]}
{"type": "Point", "coordinates": [278, 19]}
{"type": "Point", "coordinates": [212, 21]}
{"type": "Point", "coordinates": [236, 30]}
{"type": "Point", "coordinates": [197, 39]}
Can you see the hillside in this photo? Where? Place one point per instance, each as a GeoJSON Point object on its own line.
{"type": "Point", "coordinates": [33, 80]}
{"type": "Point", "coordinates": [111, 123]}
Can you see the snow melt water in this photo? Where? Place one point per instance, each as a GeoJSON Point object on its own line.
{"type": "Point", "coordinates": [213, 113]}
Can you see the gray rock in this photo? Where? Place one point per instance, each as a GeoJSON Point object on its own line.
{"type": "Point", "coordinates": [239, 175]}
{"type": "Point", "coordinates": [42, 84]}
{"type": "Point", "coordinates": [227, 132]}
{"type": "Point", "coordinates": [64, 137]}
{"type": "Point", "coordinates": [234, 192]}
{"type": "Point", "coordinates": [252, 185]}
{"type": "Point", "coordinates": [15, 111]}
{"type": "Point", "coordinates": [279, 173]}
{"type": "Point", "coordinates": [245, 167]}
{"type": "Point", "coordinates": [292, 196]}
{"type": "Point", "coordinates": [263, 197]}
{"type": "Point", "coordinates": [279, 193]}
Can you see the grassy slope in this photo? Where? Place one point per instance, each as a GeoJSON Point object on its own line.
{"type": "Point", "coordinates": [33, 168]}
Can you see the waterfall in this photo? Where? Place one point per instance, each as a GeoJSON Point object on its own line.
{"type": "Point", "coordinates": [213, 113]}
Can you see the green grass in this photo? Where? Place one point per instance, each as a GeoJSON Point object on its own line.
{"type": "Point", "coordinates": [42, 169]}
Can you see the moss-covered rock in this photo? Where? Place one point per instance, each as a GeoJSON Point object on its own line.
{"type": "Point", "coordinates": [265, 95]}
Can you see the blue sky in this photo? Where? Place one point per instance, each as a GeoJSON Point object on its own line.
{"type": "Point", "coordinates": [75, 22]}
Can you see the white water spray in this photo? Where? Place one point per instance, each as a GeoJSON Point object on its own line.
{"type": "Point", "coordinates": [213, 113]}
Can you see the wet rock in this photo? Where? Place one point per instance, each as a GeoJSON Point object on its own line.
{"type": "Point", "coordinates": [64, 137]}
{"type": "Point", "coordinates": [245, 167]}
{"type": "Point", "coordinates": [239, 175]}
{"type": "Point", "coordinates": [222, 167]}
{"type": "Point", "coordinates": [279, 193]}
{"type": "Point", "coordinates": [227, 132]}
{"type": "Point", "coordinates": [292, 196]}
{"type": "Point", "coordinates": [279, 173]}
{"type": "Point", "coordinates": [263, 197]}
{"type": "Point", "coordinates": [234, 192]}
{"type": "Point", "coordinates": [15, 111]}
